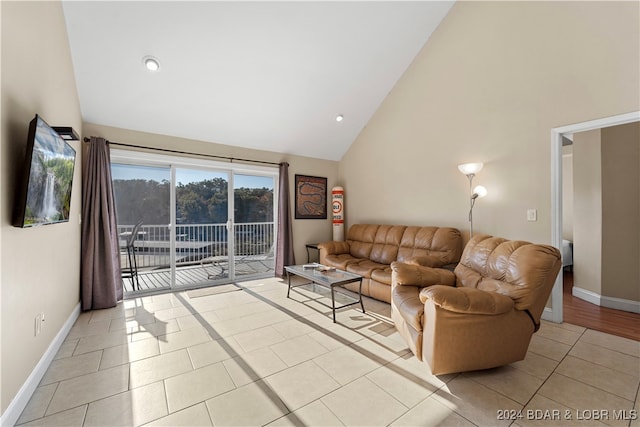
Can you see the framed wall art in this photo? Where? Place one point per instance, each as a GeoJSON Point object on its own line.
{"type": "Point", "coordinates": [311, 197]}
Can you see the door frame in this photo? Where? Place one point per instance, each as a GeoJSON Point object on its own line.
{"type": "Point", "coordinates": [555, 314]}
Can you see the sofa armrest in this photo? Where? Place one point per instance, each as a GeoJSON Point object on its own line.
{"type": "Point", "coordinates": [425, 261]}
{"type": "Point", "coordinates": [406, 302]}
{"type": "Point", "coordinates": [416, 275]}
{"type": "Point", "coordinates": [333, 248]}
{"type": "Point", "coordinates": [467, 300]}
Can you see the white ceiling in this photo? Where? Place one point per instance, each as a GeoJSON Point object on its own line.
{"type": "Point", "coordinates": [264, 75]}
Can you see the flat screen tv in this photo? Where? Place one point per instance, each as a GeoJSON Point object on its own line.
{"type": "Point", "coordinates": [44, 195]}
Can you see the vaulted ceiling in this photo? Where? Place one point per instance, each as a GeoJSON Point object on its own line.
{"type": "Point", "coordinates": [264, 75]}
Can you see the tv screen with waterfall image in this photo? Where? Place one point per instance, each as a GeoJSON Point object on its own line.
{"type": "Point", "coordinates": [45, 193]}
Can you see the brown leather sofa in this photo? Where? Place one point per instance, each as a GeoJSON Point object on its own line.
{"type": "Point", "coordinates": [483, 314]}
{"type": "Point", "coordinates": [370, 249]}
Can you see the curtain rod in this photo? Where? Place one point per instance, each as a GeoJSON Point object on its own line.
{"type": "Point", "coordinates": [166, 150]}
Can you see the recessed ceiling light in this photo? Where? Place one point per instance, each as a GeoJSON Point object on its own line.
{"type": "Point", "coordinates": [339, 118]}
{"type": "Point", "coordinates": [151, 63]}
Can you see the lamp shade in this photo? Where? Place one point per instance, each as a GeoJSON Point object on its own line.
{"type": "Point", "coordinates": [480, 191]}
{"type": "Point", "coordinates": [470, 168]}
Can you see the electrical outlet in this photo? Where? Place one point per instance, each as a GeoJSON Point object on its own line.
{"type": "Point", "coordinates": [532, 214]}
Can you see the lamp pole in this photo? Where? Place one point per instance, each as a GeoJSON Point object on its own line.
{"type": "Point", "coordinates": [471, 203]}
{"type": "Point", "coordinates": [470, 170]}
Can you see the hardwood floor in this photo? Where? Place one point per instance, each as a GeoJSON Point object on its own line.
{"type": "Point", "coordinates": [582, 313]}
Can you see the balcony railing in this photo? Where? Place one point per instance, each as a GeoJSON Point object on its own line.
{"type": "Point", "coordinates": [196, 242]}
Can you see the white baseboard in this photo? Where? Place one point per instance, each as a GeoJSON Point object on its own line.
{"type": "Point", "coordinates": [604, 301]}
{"type": "Point", "coordinates": [586, 295]}
{"type": "Point", "coordinates": [547, 314]}
{"type": "Point", "coordinates": [19, 402]}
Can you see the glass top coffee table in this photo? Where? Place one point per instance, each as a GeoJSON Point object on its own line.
{"type": "Point", "coordinates": [329, 279]}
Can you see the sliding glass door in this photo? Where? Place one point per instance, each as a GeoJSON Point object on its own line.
{"type": "Point", "coordinates": [201, 238]}
{"type": "Point", "coordinates": [254, 225]}
{"type": "Point", "coordinates": [201, 224]}
{"type": "Point", "coordinates": [143, 194]}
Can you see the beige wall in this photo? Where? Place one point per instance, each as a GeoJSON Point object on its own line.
{"type": "Point", "coordinates": [621, 211]}
{"type": "Point", "coordinates": [40, 266]}
{"type": "Point", "coordinates": [488, 86]}
{"type": "Point", "coordinates": [304, 230]}
{"type": "Point", "coordinates": [587, 205]}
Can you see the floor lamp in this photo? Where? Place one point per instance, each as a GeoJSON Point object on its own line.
{"type": "Point", "coordinates": [470, 170]}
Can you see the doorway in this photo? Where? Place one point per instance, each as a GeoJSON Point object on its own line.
{"type": "Point", "coordinates": [555, 314]}
{"type": "Point", "coordinates": [202, 222]}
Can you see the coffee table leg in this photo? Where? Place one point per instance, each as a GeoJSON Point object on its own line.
{"type": "Point", "coordinates": [333, 305]}
{"type": "Point", "coordinates": [360, 296]}
{"type": "Point", "coordinates": [289, 288]}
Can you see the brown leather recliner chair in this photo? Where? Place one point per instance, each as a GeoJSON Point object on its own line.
{"type": "Point", "coordinates": [484, 313]}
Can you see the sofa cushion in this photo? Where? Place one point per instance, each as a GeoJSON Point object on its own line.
{"type": "Point", "coordinates": [365, 268]}
{"type": "Point", "coordinates": [360, 238]}
{"type": "Point", "coordinates": [439, 245]}
{"type": "Point", "coordinates": [382, 276]}
{"type": "Point", "coordinates": [386, 243]}
{"type": "Point", "coordinates": [341, 260]}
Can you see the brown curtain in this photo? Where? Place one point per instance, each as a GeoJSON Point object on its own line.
{"type": "Point", "coordinates": [284, 253]}
{"type": "Point", "coordinates": [101, 285]}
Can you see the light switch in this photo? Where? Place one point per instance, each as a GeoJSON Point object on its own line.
{"type": "Point", "coordinates": [532, 214]}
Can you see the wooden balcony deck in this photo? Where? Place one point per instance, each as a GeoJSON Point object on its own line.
{"type": "Point", "coordinates": [196, 275]}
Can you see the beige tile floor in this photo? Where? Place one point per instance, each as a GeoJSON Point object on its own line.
{"type": "Point", "coordinates": [254, 357]}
